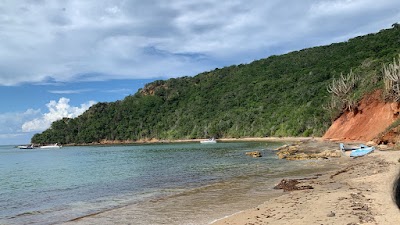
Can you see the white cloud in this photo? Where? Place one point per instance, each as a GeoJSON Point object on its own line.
{"type": "Point", "coordinates": [10, 123]}
{"type": "Point", "coordinates": [18, 127]}
{"type": "Point", "coordinates": [100, 39]}
{"type": "Point", "coordinates": [350, 7]}
{"type": "Point", "coordinates": [57, 110]}
{"type": "Point", "coordinates": [10, 126]}
{"type": "Point", "coordinates": [119, 90]}
{"type": "Point", "coordinates": [77, 91]}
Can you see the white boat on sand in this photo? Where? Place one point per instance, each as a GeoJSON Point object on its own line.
{"type": "Point", "coordinates": [51, 146]}
{"type": "Point", "coordinates": [209, 141]}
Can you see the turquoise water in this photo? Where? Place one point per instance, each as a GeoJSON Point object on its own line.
{"type": "Point", "coordinates": [54, 186]}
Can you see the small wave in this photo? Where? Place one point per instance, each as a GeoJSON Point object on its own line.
{"type": "Point", "coordinates": [30, 213]}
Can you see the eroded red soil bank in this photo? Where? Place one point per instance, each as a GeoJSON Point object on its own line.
{"type": "Point", "coordinates": [372, 118]}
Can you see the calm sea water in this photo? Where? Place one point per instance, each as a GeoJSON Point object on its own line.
{"type": "Point", "coordinates": [151, 184]}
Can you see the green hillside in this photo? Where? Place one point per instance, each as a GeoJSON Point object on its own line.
{"type": "Point", "coordinates": [282, 95]}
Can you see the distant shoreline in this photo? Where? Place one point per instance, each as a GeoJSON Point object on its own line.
{"type": "Point", "coordinates": [158, 141]}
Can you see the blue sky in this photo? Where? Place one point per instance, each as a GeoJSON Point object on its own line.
{"type": "Point", "coordinates": [57, 58]}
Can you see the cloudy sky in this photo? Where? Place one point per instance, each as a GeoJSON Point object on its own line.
{"type": "Point", "coordinates": [59, 57]}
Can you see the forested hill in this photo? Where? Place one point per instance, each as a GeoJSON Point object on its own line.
{"type": "Point", "coordinates": [281, 95]}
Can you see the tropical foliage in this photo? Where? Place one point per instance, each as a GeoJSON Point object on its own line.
{"type": "Point", "coordinates": [282, 95]}
{"type": "Point", "coordinates": [391, 74]}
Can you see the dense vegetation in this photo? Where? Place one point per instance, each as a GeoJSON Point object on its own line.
{"type": "Point", "coordinates": [282, 95]}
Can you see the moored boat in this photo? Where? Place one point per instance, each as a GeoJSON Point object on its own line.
{"type": "Point", "coordinates": [209, 141]}
{"type": "Point", "coordinates": [26, 146]}
{"type": "Point", "coordinates": [51, 146]}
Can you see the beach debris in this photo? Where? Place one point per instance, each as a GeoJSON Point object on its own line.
{"type": "Point", "coordinates": [254, 154]}
{"type": "Point", "coordinates": [331, 214]}
{"type": "Point", "coordinates": [342, 171]}
{"type": "Point", "coordinates": [291, 185]}
{"type": "Point", "coordinates": [360, 208]}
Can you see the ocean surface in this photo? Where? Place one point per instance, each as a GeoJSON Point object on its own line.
{"type": "Point", "coordinates": [186, 183]}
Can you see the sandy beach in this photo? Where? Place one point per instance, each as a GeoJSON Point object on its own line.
{"type": "Point", "coordinates": [360, 193]}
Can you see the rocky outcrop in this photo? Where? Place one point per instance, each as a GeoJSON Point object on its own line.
{"type": "Point", "coordinates": [323, 155]}
{"type": "Point", "coordinates": [287, 150]}
{"type": "Point", "coordinates": [254, 154]}
{"type": "Point", "coordinates": [308, 150]}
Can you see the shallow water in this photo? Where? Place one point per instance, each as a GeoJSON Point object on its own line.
{"type": "Point", "coordinates": [150, 184]}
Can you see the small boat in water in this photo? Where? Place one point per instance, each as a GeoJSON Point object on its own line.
{"type": "Point", "coordinates": [361, 151]}
{"type": "Point", "coordinates": [51, 146]}
{"type": "Point", "coordinates": [26, 147]}
{"type": "Point", "coordinates": [209, 141]}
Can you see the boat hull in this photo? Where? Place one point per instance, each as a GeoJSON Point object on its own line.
{"type": "Point", "coordinates": [25, 146]}
{"type": "Point", "coordinates": [208, 142]}
{"type": "Point", "coordinates": [50, 146]}
{"type": "Point", "coordinates": [351, 148]}
{"type": "Point", "coordinates": [361, 152]}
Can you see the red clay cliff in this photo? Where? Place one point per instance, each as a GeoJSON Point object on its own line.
{"type": "Point", "coordinates": [372, 117]}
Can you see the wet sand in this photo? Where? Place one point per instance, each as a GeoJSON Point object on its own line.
{"type": "Point", "coordinates": [360, 193]}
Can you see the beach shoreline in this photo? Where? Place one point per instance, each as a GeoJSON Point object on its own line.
{"type": "Point", "coordinates": [159, 141]}
{"type": "Point", "coordinates": [357, 191]}
{"type": "Point", "coordinates": [360, 193]}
